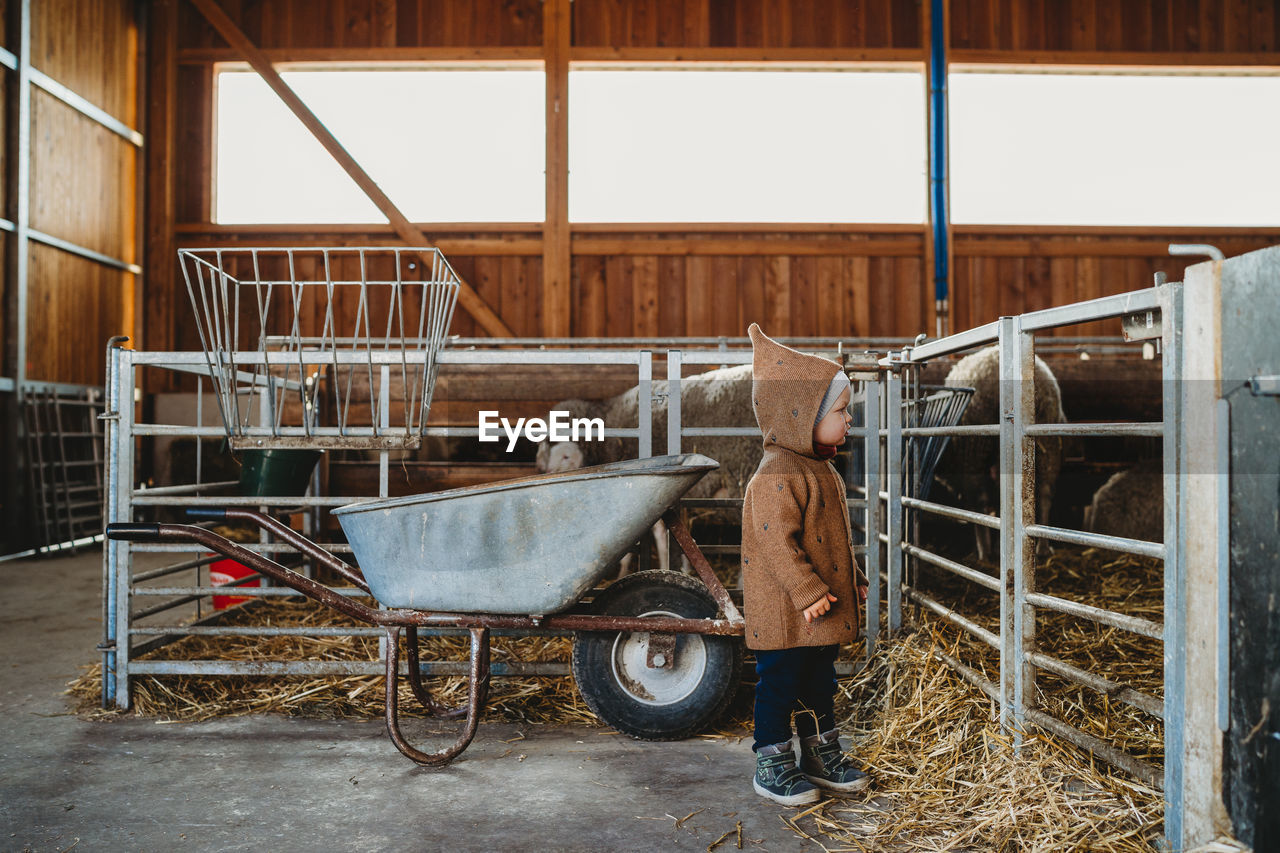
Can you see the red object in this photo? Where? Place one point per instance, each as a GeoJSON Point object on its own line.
{"type": "Point", "coordinates": [224, 572]}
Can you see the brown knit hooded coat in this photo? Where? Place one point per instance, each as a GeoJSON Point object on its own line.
{"type": "Point", "coordinates": [797, 544]}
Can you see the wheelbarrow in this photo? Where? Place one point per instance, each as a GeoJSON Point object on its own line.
{"type": "Point", "coordinates": [654, 653]}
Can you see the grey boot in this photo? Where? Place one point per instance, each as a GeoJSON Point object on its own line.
{"type": "Point", "coordinates": [778, 778]}
{"type": "Point", "coordinates": [823, 762]}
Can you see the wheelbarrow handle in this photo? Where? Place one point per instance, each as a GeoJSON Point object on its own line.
{"type": "Point", "coordinates": [286, 533]}
{"type": "Point", "coordinates": [211, 541]}
{"type": "Point", "coordinates": [134, 532]}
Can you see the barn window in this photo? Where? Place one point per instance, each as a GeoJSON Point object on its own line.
{"type": "Point", "coordinates": [444, 145]}
{"type": "Point", "coordinates": [650, 145]}
{"type": "Point", "coordinates": [1114, 149]}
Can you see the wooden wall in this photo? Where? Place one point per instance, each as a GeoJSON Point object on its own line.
{"type": "Point", "coordinates": [643, 279]}
{"type": "Point", "coordinates": [371, 23]}
{"type": "Point", "coordinates": [716, 23]}
{"type": "Point", "coordinates": [83, 185]}
{"type": "Point", "coordinates": [1005, 270]}
{"type": "Point", "coordinates": [1135, 26]}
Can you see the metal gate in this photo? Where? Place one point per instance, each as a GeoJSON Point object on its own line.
{"type": "Point", "coordinates": [1186, 320]}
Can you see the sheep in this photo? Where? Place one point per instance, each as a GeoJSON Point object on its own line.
{"type": "Point", "coordinates": [969, 466]}
{"type": "Point", "coordinates": [1130, 504]}
{"type": "Point", "coordinates": [568, 455]}
{"type": "Point", "coordinates": [716, 398]}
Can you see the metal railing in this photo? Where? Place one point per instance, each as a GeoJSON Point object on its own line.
{"type": "Point", "coordinates": [134, 597]}
{"type": "Point", "coordinates": [1016, 640]}
{"type": "Point", "coordinates": [1015, 433]}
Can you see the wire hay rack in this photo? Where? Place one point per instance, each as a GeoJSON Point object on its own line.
{"type": "Point", "coordinates": [321, 347]}
{"type": "Point", "coordinates": [935, 406]}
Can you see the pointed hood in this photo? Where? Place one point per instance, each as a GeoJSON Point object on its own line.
{"type": "Point", "coordinates": [786, 391]}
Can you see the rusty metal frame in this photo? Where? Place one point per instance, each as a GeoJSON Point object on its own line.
{"type": "Point", "coordinates": [393, 621]}
{"type": "Point", "coordinates": [345, 604]}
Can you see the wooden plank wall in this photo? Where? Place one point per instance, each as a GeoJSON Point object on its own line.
{"type": "Point", "coordinates": [83, 187]}
{"type": "Point", "coordinates": [717, 23]}
{"type": "Point", "coordinates": [1006, 270]}
{"type": "Point", "coordinates": [1135, 26]}
{"type": "Point", "coordinates": [371, 23]}
{"type": "Point", "coordinates": [640, 280]}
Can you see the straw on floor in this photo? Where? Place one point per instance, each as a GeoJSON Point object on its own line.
{"type": "Point", "coordinates": [945, 775]}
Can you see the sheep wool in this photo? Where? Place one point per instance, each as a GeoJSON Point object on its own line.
{"type": "Point", "coordinates": [797, 543]}
{"type": "Point", "coordinates": [719, 397]}
{"type": "Point", "coordinates": [1130, 504]}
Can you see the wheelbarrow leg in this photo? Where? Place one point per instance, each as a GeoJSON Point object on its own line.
{"type": "Point", "coordinates": [478, 689]}
{"type": "Point", "coordinates": [700, 565]}
{"type": "Point", "coordinates": [422, 692]}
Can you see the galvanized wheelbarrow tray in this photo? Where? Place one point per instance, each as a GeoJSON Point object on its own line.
{"type": "Point", "coordinates": [654, 653]}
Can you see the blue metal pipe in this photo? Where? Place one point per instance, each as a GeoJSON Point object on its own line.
{"type": "Point", "coordinates": [938, 146]}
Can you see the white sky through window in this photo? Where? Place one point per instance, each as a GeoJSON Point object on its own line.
{"type": "Point", "coordinates": [746, 146]}
{"type": "Point", "coordinates": [757, 146]}
{"type": "Point", "coordinates": [445, 146]}
{"type": "Point", "coordinates": [1077, 149]}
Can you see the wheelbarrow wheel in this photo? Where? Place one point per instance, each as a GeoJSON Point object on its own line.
{"type": "Point", "coordinates": [663, 702]}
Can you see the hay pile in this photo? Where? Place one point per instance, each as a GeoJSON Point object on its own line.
{"type": "Point", "coordinates": [192, 697]}
{"type": "Point", "coordinates": [1122, 583]}
{"type": "Point", "coordinates": [945, 777]}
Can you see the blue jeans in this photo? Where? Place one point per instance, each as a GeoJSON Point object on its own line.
{"type": "Point", "coordinates": [802, 680]}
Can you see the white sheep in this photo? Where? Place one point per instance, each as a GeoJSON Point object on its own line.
{"type": "Point", "coordinates": [1130, 504]}
{"type": "Point", "coordinates": [717, 398]}
{"type": "Point", "coordinates": [969, 467]}
{"type": "Point", "coordinates": [569, 455]}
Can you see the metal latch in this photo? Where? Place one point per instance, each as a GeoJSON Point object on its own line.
{"type": "Point", "coordinates": [1265, 386]}
{"type": "Point", "coordinates": [1141, 326]}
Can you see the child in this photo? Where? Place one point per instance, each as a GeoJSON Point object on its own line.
{"type": "Point", "coordinates": [798, 571]}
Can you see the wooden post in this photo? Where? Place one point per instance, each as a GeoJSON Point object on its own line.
{"type": "Point", "coordinates": [410, 233]}
{"type": "Point", "coordinates": [556, 246]}
{"type": "Point", "coordinates": [161, 72]}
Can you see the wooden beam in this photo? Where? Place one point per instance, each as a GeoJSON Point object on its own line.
{"type": "Point", "coordinates": [531, 247]}
{"type": "Point", "coordinates": [617, 228]}
{"type": "Point", "coordinates": [780, 246]}
{"type": "Point", "coordinates": [467, 297]}
{"type": "Point", "coordinates": [1115, 60]}
{"type": "Point", "coordinates": [748, 56]}
{"type": "Point", "coordinates": [1155, 231]}
{"type": "Point", "coordinates": [322, 228]}
{"type": "Point", "coordinates": [1015, 248]}
{"type": "Point", "coordinates": [364, 56]}
{"type": "Point", "coordinates": [556, 249]}
{"type": "Point", "coordinates": [670, 246]}
{"type": "Point", "coordinates": [916, 229]}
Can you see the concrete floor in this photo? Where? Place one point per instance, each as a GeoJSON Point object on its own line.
{"type": "Point", "coordinates": [281, 784]}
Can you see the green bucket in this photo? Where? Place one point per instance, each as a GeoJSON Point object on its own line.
{"type": "Point", "coordinates": [276, 472]}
